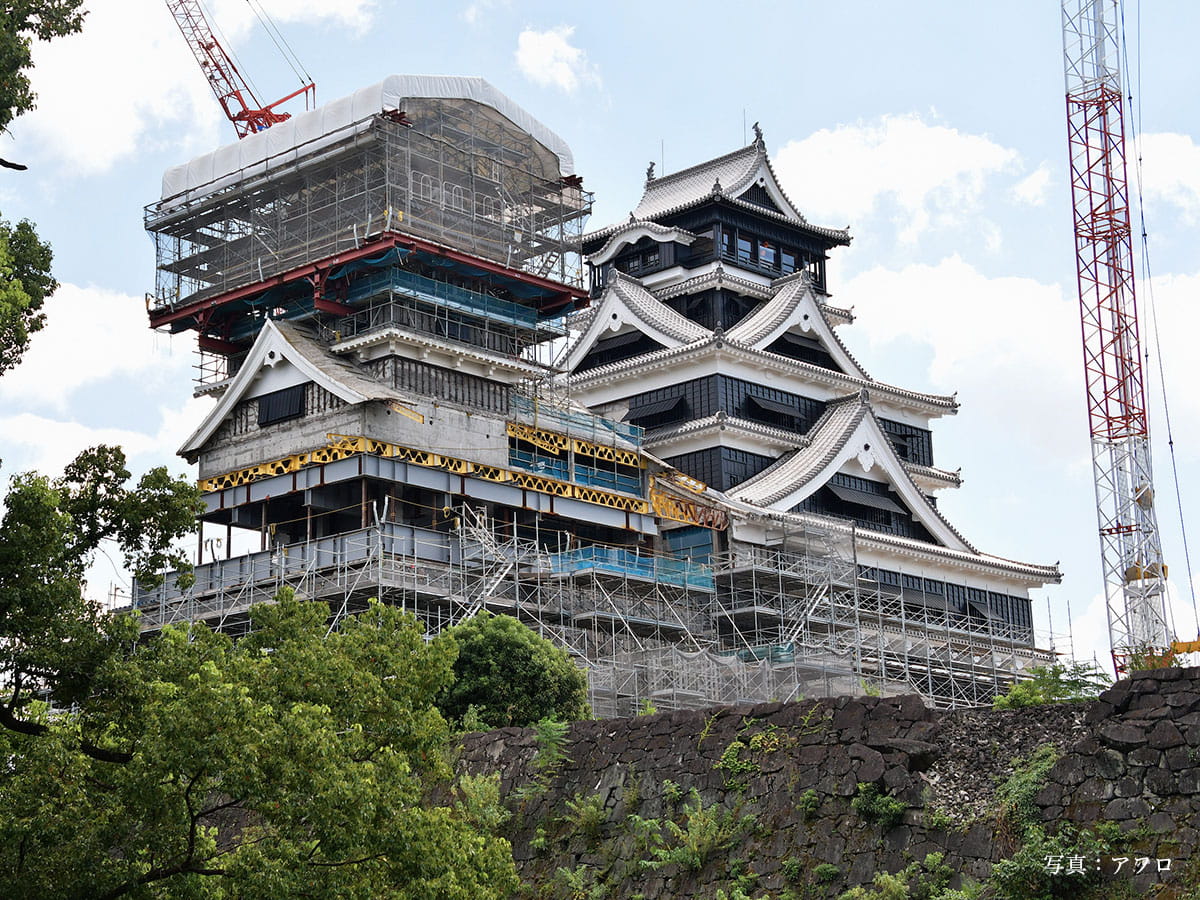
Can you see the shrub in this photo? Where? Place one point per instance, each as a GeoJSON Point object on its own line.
{"type": "Point", "coordinates": [510, 675]}
{"type": "Point", "coordinates": [875, 806]}
{"type": "Point", "coordinates": [1056, 683]}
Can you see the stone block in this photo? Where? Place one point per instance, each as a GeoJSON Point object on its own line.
{"type": "Point", "coordinates": [1161, 782]}
{"type": "Point", "coordinates": [1128, 786]}
{"type": "Point", "coordinates": [1126, 808]}
{"type": "Point", "coordinates": [1121, 736]}
{"type": "Point", "coordinates": [850, 716]}
{"type": "Point", "coordinates": [1164, 735]}
{"type": "Point", "coordinates": [896, 780]}
{"type": "Point", "coordinates": [1161, 822]}
{"type": "Point", "coordinates": [978, 841]}
{"type": "Point", "coordinates": [1093, 790]}
{"type": "Point", "coordinates": [1189, 781]}
{"type": "Point", "coordinates": [1068, 771]}
{"type": "Point", "coordinates": [1050, 795]}
{"type": "Point", "coordinates": [912, 709]}
{"type": "Point", "coordinates": [862, 869]}
{"type": "Point", "coordinates": [921, 754]}
{"type": "Point", "coordinates": [837, 760]}
{"type": "Point", "coordinates": [1145, 756]}
{"type": "Point", "coordinates": [1100, 711]}
{"type": "Point", "coordinates": [1178, 758]}
{"type": "Point", "coordinates": [1146, 701]}
{"type": "Point", "coordinates": [1108, 764]}
{"type": "Point", "coordinates": [870, 763]}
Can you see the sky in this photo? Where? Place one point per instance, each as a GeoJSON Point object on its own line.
{"type": "Point", "coordinates": [935, 129]}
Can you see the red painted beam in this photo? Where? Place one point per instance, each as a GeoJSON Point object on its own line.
{"type": "Point", "coordinates": [562, 293]}
{"type": "Point", "coordinates": [216, 345]}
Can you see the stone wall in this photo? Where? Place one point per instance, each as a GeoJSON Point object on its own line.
{"type": "Point", "coordinates": [776, 787]}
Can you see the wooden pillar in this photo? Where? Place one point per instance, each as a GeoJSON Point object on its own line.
{"type": "Point", "coordinates": [229, 540]}
{"type": "Point", "coordinates": [263, 528]}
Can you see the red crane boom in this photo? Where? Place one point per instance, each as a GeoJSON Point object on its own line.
{"type": "Point", "coordinates": [241, 106]}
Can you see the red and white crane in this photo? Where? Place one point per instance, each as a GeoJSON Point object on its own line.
{"type": "Point", "coordinates": [239, 102]}
{"type": "Point", "coordinates": [1131, 554]}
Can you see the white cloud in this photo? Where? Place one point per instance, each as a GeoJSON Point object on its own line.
{"type": "Point", "coordinates": [547, 58]}
{"type": "Point", "coordinates": [93, 334]}
{"type": "Point", "coordinates": [931, 172]}
{"type": "Point", "coordinates": [46, 445]}
{"type": "Point", "coordinates": [475, 11]}
{"type": "Point", "coordinates": [1171, 171]}
{"type": "Point", "coordinates": [236, 18]}
{"type": "Point", "coordinates": [1034, 188]}
{"type": "Point", "coordinates": [40, 443]}
{"type": "Point", "coordinates": [1008, 345]}
{"type": "Point", "coordinates": [129, 79]}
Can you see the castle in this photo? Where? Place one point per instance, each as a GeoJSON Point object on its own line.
{"type": "Point", "coordinates": [673, 467]}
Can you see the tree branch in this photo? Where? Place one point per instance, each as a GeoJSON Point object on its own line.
{"type": "Point", "coordinates": [37, 729]}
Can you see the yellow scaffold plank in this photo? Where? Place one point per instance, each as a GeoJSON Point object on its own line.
{"type": "Point", "coordinates": [609, 454]}
{"type": "Point", "coordinates": [542, 485]}
{"type": "Point", "coordinates": [615, 501]}
{"type": "Point", "coordinates": [341, 446]}
{"type": "Point", "coordinates": [677, 509]}
{"type": "Point", "coordinates": [550, 441]}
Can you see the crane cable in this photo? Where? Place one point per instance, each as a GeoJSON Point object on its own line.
{"type": "Point", "coordinates": [228, 48]}
{"type": "Point", "coordinates": [1135, 127]}
{"type": "Point", "coordinates": [280, 42]}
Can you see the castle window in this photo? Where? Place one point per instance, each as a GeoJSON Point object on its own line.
{"type": "Point", "coordinates": [456, 197]}
{"type": "Point", "coordinates": [788, 261]}
{"type": "Point", "coordinates": [279, 406]}
{"type": "Point", "coordinates": [766, 254]}
{"type": "Point", "coordinates": [426, 188]}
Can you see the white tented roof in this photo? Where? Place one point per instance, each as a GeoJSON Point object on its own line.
{"type": "Point", "coordinates": [307, 133]}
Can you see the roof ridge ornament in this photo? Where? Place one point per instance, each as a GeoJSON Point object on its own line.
{"type": "Point", "coordinates": [758, 134]}
{"type": "Point", "coordinates": [650, 172]}
{"type": "Point", "coordinates": [716, 188]}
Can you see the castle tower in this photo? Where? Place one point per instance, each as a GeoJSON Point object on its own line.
{"type": "Point", "coordinates": [712, 326]}
{"type": "Point", "coordinates": [681, 474]}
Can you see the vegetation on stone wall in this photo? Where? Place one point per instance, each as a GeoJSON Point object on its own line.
{"type": "Point", "coordinates": [1056, 683]}
{"type": "Point", "coordinates": [843, 798]}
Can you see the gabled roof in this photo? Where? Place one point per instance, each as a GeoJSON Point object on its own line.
{"type": "Point", "coordinates": [716, 277]}
{"type": "Point", "coordinates": [847, 430]}
{"type": "Point", "coordinates": [626, 302]}
{"type": "Point", "coordinates": [726, 177]}
{"type": "Point", "coordinates": [277, 341]}
{"type": "Point", "coordinates": [622, 370]}
{"type": "Point", "coordinates": [1032, 573]}
{"type": "Point", "coordinates": [633, 231]}
{"type": "Point", "coordinates": [735, 172]}
{"type": "Point", "coordinates": [794, 307]}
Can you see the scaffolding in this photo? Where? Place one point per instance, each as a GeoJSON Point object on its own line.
{"type": "Point", "coordinates": [751, 624]}
{"type": "Point", "coordinates": [453, 171]}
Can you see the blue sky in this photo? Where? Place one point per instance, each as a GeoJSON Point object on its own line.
{"type": "Point", "coordinates": [934, 129]}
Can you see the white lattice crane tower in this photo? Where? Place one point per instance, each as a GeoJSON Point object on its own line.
{"type": "Point", "coordinates": [1134, 574]}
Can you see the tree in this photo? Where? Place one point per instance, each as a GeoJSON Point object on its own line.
{"type": "Point", "coordinates": [1056, 683]}
{"type": "Point", "coordinates": [25, 283]}
{"type": "Point", "coordinates": [511, 676]}
{"type": "Point", "coordinates": [292, 763]}
{"type": "Point", "coordinates": [22, 21]}
{"type": "Point", "coordinates": [51, 636]}
{"type": "Point", "coordinates": [25, 280]}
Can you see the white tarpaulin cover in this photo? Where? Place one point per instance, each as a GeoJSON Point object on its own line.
{"type": "Point", "coordinates": [307, 133]}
